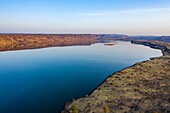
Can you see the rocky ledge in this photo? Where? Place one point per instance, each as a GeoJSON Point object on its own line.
{"type": "Point", "coordinates": [143, 87]}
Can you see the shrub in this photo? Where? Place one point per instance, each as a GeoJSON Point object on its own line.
{"type": "Point", "coordinates": [74, 109]}
{"type": "Point", "coordinates": [106, 109]}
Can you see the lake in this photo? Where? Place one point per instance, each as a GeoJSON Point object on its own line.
{"type": "Point", "coordinates": [43, 80]}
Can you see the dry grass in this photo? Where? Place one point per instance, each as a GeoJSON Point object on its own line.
{"type": "Point", "coordinates": [144, 87]}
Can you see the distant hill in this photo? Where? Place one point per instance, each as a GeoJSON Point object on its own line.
{"type": "Point", "coordinates": [156, 38]}
{"type": "Point", "coordinates": [32, 41]}
{"type": "Point", "coordinates": [126, 37]}
{"type": "Point", "coordinates": [165, 38]}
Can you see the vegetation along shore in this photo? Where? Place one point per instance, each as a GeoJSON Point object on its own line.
{"type": "Point", "coordinates": [143, 87]}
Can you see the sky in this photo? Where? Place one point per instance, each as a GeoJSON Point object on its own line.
{"type": "Point", "coordinates": [131, 17]}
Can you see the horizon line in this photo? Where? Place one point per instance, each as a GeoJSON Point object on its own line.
{"type": "Point", "coordinates": [41, 33]}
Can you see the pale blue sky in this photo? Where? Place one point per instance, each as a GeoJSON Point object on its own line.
{"type": "Point", "coordinates": [132, 17]}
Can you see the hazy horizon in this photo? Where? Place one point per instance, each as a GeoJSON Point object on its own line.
{"type": "Point", "coordinates": [43, 33]}
{"type": "Point", "coordinates": [86, 17]}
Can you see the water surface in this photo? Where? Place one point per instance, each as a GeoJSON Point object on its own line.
{"type": "Point", "coordinates": [42, 80]}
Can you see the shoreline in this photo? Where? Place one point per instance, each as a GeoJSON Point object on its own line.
{"type": "Point", "coordinates": [85, 104]}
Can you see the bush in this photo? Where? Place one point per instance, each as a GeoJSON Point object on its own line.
{"type": "Point", "coordinates": [106, 109]}
{"type": "Point", "coordinates": [74, 109]}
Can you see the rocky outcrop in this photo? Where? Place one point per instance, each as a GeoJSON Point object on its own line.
{"type": "Point", "coordinates": [143, 87]}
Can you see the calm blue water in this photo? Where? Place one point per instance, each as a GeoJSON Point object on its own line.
{"type": "Point", "coordinates": [42, 80]}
